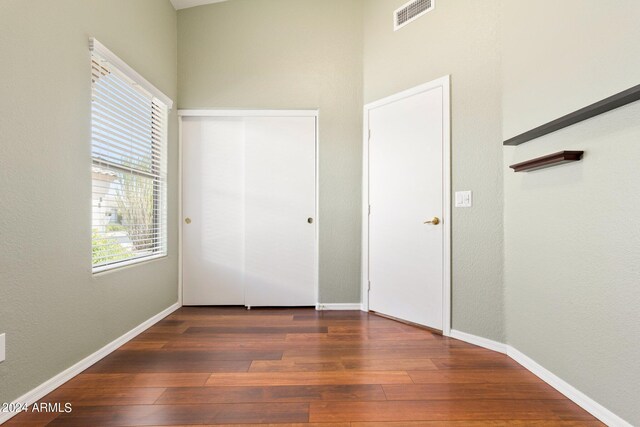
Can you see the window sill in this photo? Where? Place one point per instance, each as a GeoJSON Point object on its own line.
{"type": "Point", "coordinates": [100, 271]}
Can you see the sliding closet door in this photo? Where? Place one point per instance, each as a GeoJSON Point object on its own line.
{"type": "Point", "coordinates": [213, 207]}
{"type": "Point", "coordinates": [280, 211]}
{"type": "Point", "coordinates": [249, 230]}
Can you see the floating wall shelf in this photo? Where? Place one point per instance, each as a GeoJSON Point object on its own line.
{"type": "Point", "coordinates": [547, 161]}
{"type": "Point", "coordinates": [618, 100]}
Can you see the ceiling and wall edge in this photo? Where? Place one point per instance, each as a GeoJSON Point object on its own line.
{"type": "Point", "coordinates": [185, 4]}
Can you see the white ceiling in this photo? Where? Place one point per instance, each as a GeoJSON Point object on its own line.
{"type": "Point", "coordinates": [183, 4]}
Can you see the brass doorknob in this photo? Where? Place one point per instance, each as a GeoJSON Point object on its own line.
{"type": "Point", "coordinates": [434, 221]}
{"type": "Point", "coordinates": [187, 220]}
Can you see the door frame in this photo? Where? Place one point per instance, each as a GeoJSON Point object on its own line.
{"type": "Point", "coordinates": [444, 83]}
{"type": "Point", "coordinates": [249, 113]}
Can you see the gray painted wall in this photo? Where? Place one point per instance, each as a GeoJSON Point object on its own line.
{"type": "Point", "coordinates": [52, 309]}
{"type": "Point", "coordinates": [291, 54]}
{"type": "Point", "coordinates": [572, 256]}
{"type": "Point", "coordinates": [461, 38]}
{"type": "Point", "coordinates": [570, 240]}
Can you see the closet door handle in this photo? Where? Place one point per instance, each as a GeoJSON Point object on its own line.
{"type": "Point", "coordinates": [310, 220]}
{"type": "Point", "coordinates": [434, 221]}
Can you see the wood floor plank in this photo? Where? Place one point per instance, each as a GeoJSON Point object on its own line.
{"type": "Point", "coordinates": [371, 324]}
{"type": "Point", "coordinates": [176, 366]}
{"type": "Point", "coordinates": [389, 364]}
{"type": "Point", "coordinates": [385, 352]}
{"type": "Point", "coordinates": [342, 338]}
{"type": "Point", "coordinates": [500, 376]}
{"type": "Point", "coordinates": [247, 320]}
{"type": "Point", "coordinates": [180, 361]}
{"type": "Point", "coordinates": [305, 393]}
{"type": "Point", "coordinates": [294, 366]}
{"type": "Point", "coordinates": [308, 378]}
{"type": "Point", "coordinates": [224, 345]}
{"type": "Point", "coordinates": [143, 345]}
{"type": "Point", "coordinates": [269, 425]}
{"type": "Point", "coordinates": [257, 330]}
{"type": "Point", "coordinates": [302, 365]}
{"type": "Point", "coordinates": [263, 413]}
{"type": "Point", "coordinates": [179, 329]}
{"type": "Point", "coordinates": [484, 423]}
{"type": "Point", "coordinates": [445, 410]}
{"type": "Point", "coordinates": [153, 336]}
{"type": "Point", "coordinates": [170, 322]}
{"type": "Point", "coordinates": [406, 336]}
{"type": "Point", "coordinates": [457, 391]}
{"type": "Point", "coordinates": [236, 320]}
{"type": "Point", "coordinates": [499, 362]}
{"type": "Point", "coordinates": [88, 380]}
{"type": "Point", "coordinates": [106, 396]}
{"type": "Point", "coordinates": [164, 415]}
{"type": "Point", "coordinates": [359, 329]}
{"type": "Point", "coordinates": [338, 315]}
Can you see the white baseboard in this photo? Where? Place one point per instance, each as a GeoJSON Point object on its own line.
{"type": "Point", "coordinates": [48, 386]}
{"type": "Point", "coordinates": [579, 398]}
{"type": "Point", "coordinates": [354, 306]}
{"type": "Point", "coordinates": [479, 341]}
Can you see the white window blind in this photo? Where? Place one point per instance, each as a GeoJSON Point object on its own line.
{"type": "Point", "coordinates": [129, 164]}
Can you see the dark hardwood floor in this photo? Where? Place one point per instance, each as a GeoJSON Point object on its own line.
{"type": "Point", "coordinates": [287, 366]}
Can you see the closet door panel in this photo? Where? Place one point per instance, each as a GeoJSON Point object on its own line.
{"type": "Point", "coordinates": [280, 211]}
{"type": "Point", "coordinates": [213, 201]}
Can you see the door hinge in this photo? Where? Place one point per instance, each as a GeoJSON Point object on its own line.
{"type": "Point", "coordinates": [369, 286]}
{"type": "Point", "coordinates": [369, 137]}
{"type": "Point", "coordinates": [369, 211]}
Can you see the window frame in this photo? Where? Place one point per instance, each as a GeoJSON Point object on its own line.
{"type": "Point", "coordinates": [158, 168]}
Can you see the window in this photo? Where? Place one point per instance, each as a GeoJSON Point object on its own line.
{"type": "Point", "coordinates": [128, 164]}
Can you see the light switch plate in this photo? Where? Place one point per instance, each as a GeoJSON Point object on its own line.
{"type": "Point", "coordinates": [464, 199]}
{"type": "Point", "coordinates": [2, 352]}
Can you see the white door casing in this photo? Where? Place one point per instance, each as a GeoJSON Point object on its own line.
{"type": "Point", "coordinates": [407, 182]}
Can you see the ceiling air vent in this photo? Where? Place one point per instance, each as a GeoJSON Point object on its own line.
{"type": "Point", "coordinates": [410, 12]}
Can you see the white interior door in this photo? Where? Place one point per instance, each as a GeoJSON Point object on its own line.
{"type": "Point", "coordinates": [248, 198]}
{"type": "Point", "coordinates": [405, 190]}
